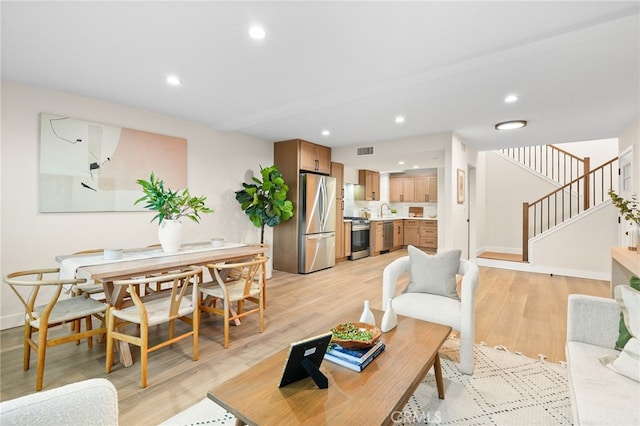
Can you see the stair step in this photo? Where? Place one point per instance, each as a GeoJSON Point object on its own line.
{"type": "Point", "coordinates": [501, 256]}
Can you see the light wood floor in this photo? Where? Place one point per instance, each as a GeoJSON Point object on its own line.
{"type": "Point", "coordinates": [523, 311]}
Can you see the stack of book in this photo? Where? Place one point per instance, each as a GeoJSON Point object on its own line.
{"type": "Point", "coordinates": [356, 360]}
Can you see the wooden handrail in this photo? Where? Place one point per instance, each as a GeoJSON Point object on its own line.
{"type": "Point", "coordinates": [550, 161]}
{"type": "Point", "coordinates": [534, 219]}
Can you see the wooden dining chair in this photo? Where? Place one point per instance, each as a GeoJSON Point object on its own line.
{"type": "Point", "coordinates": [237, 283]}
{"type": "Point", "coordinates": [44, 310]}
{"type": "Point", "coordinates": [166, 307]}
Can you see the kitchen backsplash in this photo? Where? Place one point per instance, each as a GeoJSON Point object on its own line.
{"type": "Point", "coordinates": [354, 208]}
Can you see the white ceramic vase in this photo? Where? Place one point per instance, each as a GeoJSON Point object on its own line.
{"type": "Point", "coordinates": [367, 316]}
{"type": "Point", "coordinates": [389, 319]}
{"type": "Point", "coordinates": [170, 235]}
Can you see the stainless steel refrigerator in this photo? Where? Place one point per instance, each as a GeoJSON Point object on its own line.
{"type": "Point", "coordinates": [317, 223]}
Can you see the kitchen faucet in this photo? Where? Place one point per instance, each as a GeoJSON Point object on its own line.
{"type": "Point", "coordinates": [382, 205]}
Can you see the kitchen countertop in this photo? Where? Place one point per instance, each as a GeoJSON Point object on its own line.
{"type": "Point", "coordinates": [398, 218]}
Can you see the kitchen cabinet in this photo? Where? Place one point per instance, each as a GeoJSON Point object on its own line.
{"type": "Point", "coordinates": [291, 157]}
{"type": "Point", "coordinates": [315, 158]}
{"type": "Point", "coordinates": [402, 189]}
{"type": "Point", "coordinates": [398, 234]}
{"type": "Point", "coordinates": [337, 171]}
{"type": "Point", "coordinates": [411, 233]}
{"type": "Point", "coordinates": [347, 239]}
{"type": "Point", "coordinates": [428, 230]}
{"type": "Point", "coordinates": [426, 189]}
{"type": "Point", "coordinates": [368, 188]}
{"type": "Point", "coordinates": [421, 189]}
{"type": "Point", "coordinates": [375, 237]}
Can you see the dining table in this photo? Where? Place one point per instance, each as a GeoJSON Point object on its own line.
{"type": "Point", "coordinates": [102, 268]}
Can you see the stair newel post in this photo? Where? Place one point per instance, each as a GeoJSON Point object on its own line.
{"type": "Point", "coordinates": [586, 185]}
{"type": "Point", "coordinates": [525, 232]}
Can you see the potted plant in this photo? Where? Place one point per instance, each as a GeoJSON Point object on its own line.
{"type": "Point", "coordinates": [630, 211]}
{"type": "Point", "coordinates": [170, 207]}
{"type": "Point", "coordinates": [265, 201]}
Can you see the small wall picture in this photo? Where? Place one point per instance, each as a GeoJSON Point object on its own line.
{"type": "Point", "coordinates": [460, 186]}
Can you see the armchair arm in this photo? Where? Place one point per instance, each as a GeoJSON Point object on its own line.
{"type": "Point", "coordinates": [470, 278]}
{"type": "Point", "coordinates": [392, 272]}
{"type": "Point", "coordinates": [592, 319]}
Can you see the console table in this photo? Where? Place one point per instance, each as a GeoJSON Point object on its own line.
{"type": "Point", "coordinates": [625, 263]}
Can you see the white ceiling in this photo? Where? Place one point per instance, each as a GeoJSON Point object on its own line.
{"type": "Point", "coordinates": [349, 67]}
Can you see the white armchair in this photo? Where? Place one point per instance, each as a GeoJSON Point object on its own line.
{"type": "Point", "coordinates": [458, 314]}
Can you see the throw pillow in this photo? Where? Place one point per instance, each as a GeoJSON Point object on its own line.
{"type": "Point", "coordinates": [433, 274]}
{"type": "Point", "coordinates": [628, 362]}
{"type": "Point", "coordinates": [623, 332]}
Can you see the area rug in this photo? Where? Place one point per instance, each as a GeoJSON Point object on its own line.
{"type": "Point", "coordinates": [505, 389]}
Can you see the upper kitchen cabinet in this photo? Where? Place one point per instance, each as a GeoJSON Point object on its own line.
{"type": "Point", "coordinates": [315, 158]}
{"type": "Point", "coordinates": [421, 189]}
{"type": "Point", "coordinates": [426, 189]}
{"type": "Point", "coordinates": [368, 188]}
{"type": "Point", "coordinates": [402, 189]}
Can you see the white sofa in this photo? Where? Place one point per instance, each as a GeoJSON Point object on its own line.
{"type": "Point", "coordinates": [86, 403]}
{"type": "Point", "coordinates": [599, 395]}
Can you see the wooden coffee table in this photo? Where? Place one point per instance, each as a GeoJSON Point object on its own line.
{"type": "Point", "coordinates": [376, 395]}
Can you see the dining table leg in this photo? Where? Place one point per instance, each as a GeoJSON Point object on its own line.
{"type": "Point", "coordinates": [115, 296]}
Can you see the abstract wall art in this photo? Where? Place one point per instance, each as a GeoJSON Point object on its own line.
{"type": "Point", "coordinates": [93, 167]}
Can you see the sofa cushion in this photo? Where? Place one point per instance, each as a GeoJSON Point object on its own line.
{"type": "Point", "coordinates": [599, 395]}
{"type": "Point", "coordinates": [623, 333]}
{"type": "Point", "coordinates": [627, 362]}
{"type": "Point", "coordinates": [433, 274]}
{"type": "Point", "coordinates": [429, 307]}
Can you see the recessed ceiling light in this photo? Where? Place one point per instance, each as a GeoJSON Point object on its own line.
{"type": "Point", "coordinates": [326, 133]}
{"type": "Point", "coordinates": [510, 125]}
{"type": "Point", "coordinates": [416, 166]}
{"type": "Point", "coordinates": [399, 119]}
{"type": "Point", "coordinates": [174, 80]}
{"type": "Point", "coordinates": [401, 162]}
{"type": "Point", "coordinates": [257, 33]}
{"type": "Point", "coordinates": [511, 99]}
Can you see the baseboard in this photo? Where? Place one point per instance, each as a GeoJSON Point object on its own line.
{"type": "Point", "coordinates": [527, 267]}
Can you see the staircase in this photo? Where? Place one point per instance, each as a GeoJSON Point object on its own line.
{"type": "Point", "coordinates": [579, 188]}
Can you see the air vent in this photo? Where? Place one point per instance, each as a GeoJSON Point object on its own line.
{"type": "Point", "coordinates": [365, 151]}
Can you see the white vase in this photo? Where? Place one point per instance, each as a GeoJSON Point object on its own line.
{"type": "Point", "coordinates": [170, 235]}
{"type": "Point", "coordinates": [367, 316]}
{"type": "Point", "coordinates": [632, 234]}
{"type": "Point", "coordinates": [389, 319]}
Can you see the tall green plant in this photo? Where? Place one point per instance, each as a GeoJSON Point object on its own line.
{"type": "Point", "coordinates": [265, 201]}
{"type": "Point", "coordinates": [169, 204]}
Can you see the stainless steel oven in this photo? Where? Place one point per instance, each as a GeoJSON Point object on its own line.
{"type": "Point", "coordinates": [359, 237]}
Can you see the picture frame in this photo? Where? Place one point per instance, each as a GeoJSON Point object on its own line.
{"type": "Point", "coordinates": [461, 186]}
{"type": "Point", "coordinates": [304, 360]}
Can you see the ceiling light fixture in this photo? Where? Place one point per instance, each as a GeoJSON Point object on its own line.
{"type": "Point", "coordinates": [257, 33]}
{"type": "Point", "coordinates": [511, 99]}
{"type": "Point", "coordinates": [510, 125]}
{"type": "Point", "coordinates": [326, 133]}
{"type": "Point", "coordinates": [173, 80]}
{"type": "Point", "coordinates": [401, 162]}
{"type": "Point", "coordinates": [399, 119]}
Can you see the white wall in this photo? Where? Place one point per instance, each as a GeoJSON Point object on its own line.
{"type": "Point", "coordinates": [599, 151]}
{"type": "Point", "coordinates": [581, 248]}
{"type": "Point", "coordinates": [630, 138]}
{"type": "Point", "coordinates": [508, 185]}
{"type": "Point", "coordinates": [218, 163]}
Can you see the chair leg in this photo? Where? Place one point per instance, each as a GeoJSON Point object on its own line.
{"type": "Point", "coordinates": [42, 352]}
{"type": "Point", "coordinates": [110, 319]}
{"type": "Point", "coordinates": [196, 332]}
{"type": "Point", "coordinates": [227, 307]}
{"type": "Point", "coordinates": [26, 357]}
{"type": "Point", "coordinates": [144, 353]}
{"type": "Point", "coordinates": [466, 353]}
{"type": "Point", "coordinates": [261, 312]}
{"type": "Point", "coordinates": [89, 328]}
